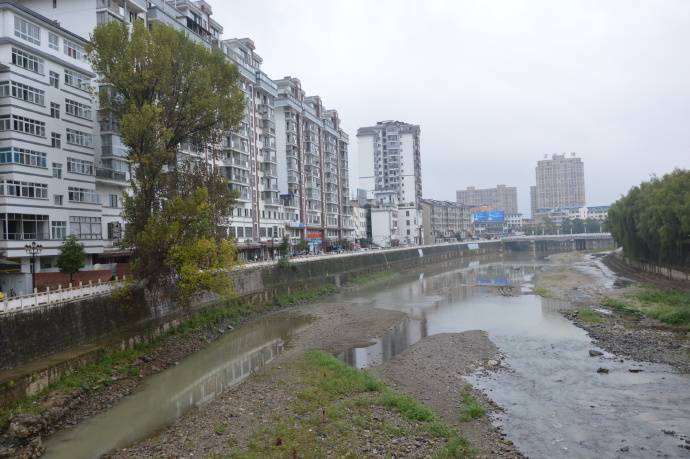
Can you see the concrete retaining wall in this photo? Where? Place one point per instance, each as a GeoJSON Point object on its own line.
{"type": "Point", "coordinates": [668, 272]}
{"type": "Point", "coordinates": [102, 322]}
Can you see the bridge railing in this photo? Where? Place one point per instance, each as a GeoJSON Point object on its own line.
{"type": "Point", "coordinates": [24, 303]}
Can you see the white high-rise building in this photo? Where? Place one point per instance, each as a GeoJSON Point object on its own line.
{"type": "Point", "coordinates": [391, 173]}
{"type": "Point", "coordinates": [86, 161]}
{"type": "Point", "coordinates": [48, 150]}
{"type": "Point", "coordinates": [389, 160]}
{"type": "Point", "coordinates": [312, 166]}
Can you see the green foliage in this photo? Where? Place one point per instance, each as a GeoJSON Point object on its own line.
{"type": "Point", "coordinates": [652, 221]}
{"type": "Point", "coordinates": [166, 91]}
{"type": "Point", "coordinates": [667, 305]}
{"type": "Point", "coordinates": [408, 406]}
{"type": "Point", "coordinates": [542, 292]}
{"type": "Point", "coordinates": [71, 257]}
{"type": "Point", "coordinates": [589, 316]}
{"type": "Point", "coordinates": [471, 408]}
{"type": "Point", "coordinates": [302, 246]}
{"type": "Point", "coordinates": [457, 447]}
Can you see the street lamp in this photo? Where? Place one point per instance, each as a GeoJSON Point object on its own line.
{"type": "Point", "coordinates": [33, 249]}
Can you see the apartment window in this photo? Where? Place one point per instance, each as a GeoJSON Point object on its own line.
{"type": "Point", "coordinates": [27, 61]}
{"type": "Point", "coordinates": [54, 78]}
{"type": "Point", "coordinates": [74, 50]}
{"type": "Point", "coordinates": [22, 124]}
{"type": "Point", "coordinates": [54, 110]}
{"type": "Point", "coordinates": [77, 80]}
{"type": "Point", "coordinates": [85, 227]}
{"type": "Point", "coordinates": [22, 92]}
{"type": "Point", "coordinates": [55, 140]}
{"type": "Point", "coordinates": [57, 170]}
{"type": "Point", "coordinates": [58, 230]}
{"type": "Point", "coordinates": [79, 138]}
{"type": "Point", "coordinates": [77, 109]}
{"type": "Point", "coordinates": [24, 189]}
{"type": "Point", "coordinates": [83, 195]}
{"type": "Point", "coordinates": [113, 200]}
{"type": "Point", "coordinates": [27, 31]}
{"type": "Point", "coordinates": [53, 41]}
{"type": "Point", "coordinates": [79, 166]}
{"type": "Point", "coordinates": [57, 199]}
{"type": "Point", "coordinates": [23, 156]}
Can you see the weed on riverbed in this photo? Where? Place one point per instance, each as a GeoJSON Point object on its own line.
{"type": "Point", "coordinates": [589, 316]}
{"type": "Point", "coordinates": [341, 411]}
{"type": "Point", "coordinates": [542, 292]}
{"type": "Point", "coordinates": [666, 305]}
{"type": "Point", "coordinates": [471, 408]}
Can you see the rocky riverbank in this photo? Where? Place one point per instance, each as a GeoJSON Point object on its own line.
{"type": "Point", "coordinates": [577, 280]}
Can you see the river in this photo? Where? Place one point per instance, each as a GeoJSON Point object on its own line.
{"type": "Point", "coordinates": [555, 402]}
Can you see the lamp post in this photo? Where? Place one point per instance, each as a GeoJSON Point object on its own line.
{"type": "Point", "coordinates": [33, 249]}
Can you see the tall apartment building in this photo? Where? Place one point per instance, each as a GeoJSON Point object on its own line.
{"type": "Point", "coordinates": [389, 159]}
{"type": "Point", "coordinates": [444, 220]}
{"type": "Point", "coordinates": [88, 158]}
{"type": "Point", "coordinates": [312, 166]}
{"type": "Point", "coordinates": [560, 183]}
{"type": "Point", "coordinates": [47, 152]}
{"type": "Point", "coordinates": [500, 197]}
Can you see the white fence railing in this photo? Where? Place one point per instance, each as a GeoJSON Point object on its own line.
{"type": "Point", "coordinates": [49, 297]}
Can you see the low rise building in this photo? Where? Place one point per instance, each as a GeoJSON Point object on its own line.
{"type": "Point", "coordinates": [444, 221]}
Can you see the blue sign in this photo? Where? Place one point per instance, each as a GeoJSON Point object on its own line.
{"type": "Point", "coordinates": [486, 217]}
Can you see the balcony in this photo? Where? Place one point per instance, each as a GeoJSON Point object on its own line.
{"type": "Point", "coordinates": [112, 7]}
{"type": "Point", "coordinates": [110, 174]}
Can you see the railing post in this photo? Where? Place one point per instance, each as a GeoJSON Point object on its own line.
{"type": "Point", "coordinates": [35, 296]}
{"type": "Point", "coordinates": [48, 293]}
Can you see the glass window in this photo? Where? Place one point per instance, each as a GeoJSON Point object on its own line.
{"type": "Point", "coordinates": [53, 41]}
{"type": "Point", "coordinates": [55, 140]}
{"type": "Point", "coordinates": [79, 138]}
{"type": "Point", "coordinates": [74, 108]}
{"type": "Point", "coordinates": [54, 79]}
{"type": "Point", "coordinates": [54, 110]}
{"type": "Point", "coordinates": [23, 156]}
{"type": "Point", "coordinates": [58, 230]}
{"type": "Point", "coordinates": [77, 80]}
{"type": "Point", "coordinates": [74, 50]}
{"type": "Point", "coordinates": [57, 170]}
{"type": "Point", "coordinates": [27, 61]}
{"type": "Point", "coordinates": [86, 227]}
{"type": "Point", "coordinates": [27, 31]}
{"type": "Point", "coordinates": [79, 166]}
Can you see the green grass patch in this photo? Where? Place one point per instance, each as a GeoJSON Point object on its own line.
{"type": "Point", "coordinates": [542, 292]}
{"type": "Point", "coordinates": [589, 316]}
{"type": "Point", "coordinates": [471, 408]}
{"type": "Point", "coordinates": [339, 403]}
{"type": "Point", "coordinates": [666, 305]}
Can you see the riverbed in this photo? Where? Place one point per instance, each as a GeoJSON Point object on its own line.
{"type": "Point", "coordinates": [555, 403]}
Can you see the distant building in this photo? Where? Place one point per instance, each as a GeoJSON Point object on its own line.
{"type": "Point", "coordinates": [533, 200]}
{"type": "Point", "coordinates": [444, 221]}
{"type": "Point", "coordinates": [560, 183]}
{"type": "Point", "coordinates": [360, 214]}
{"type": "Point", "coordinates": [557, 216]}
{"type": "Point", "coordinates": [513, 222]}
{"type": "Point", "coordinates": [500, 197]}
{"type": "Point", "coordinates": [389, 160]}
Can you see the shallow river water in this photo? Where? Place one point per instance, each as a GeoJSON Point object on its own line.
{"type": "Point", "coordinates": [556, 404]}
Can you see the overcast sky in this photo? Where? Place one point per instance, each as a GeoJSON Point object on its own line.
{"type": "Point", "coordinates": [494, 85]}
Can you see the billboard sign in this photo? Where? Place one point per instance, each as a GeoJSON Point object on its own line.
{"type": "Point", "coordinates": [489, 217]}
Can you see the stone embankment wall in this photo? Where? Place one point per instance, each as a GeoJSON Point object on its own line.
{"type": "Point", "coordinates": [669, 272]}
{"type": "Point", "coordinates": [89, 326]}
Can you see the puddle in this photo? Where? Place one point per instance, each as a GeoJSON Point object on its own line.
{"type": "Point", "coordinates": [556, 404]}
{"type": "Point", "coordinates": [197, 380]}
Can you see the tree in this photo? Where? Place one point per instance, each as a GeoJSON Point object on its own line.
{"type": "Point", "coordinates": [302, 246]}
{"type": "Point", "coordinates": [166, 92]}
{"type": "Point", "coordinates": [284, 247]}
{"type": "Point", "coordinates": [72, 256]}
{"type": "Point", "coordinates": [652, 221]}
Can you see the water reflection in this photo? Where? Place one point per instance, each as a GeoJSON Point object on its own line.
{"type": "Point", "coordinates": [166, 396]}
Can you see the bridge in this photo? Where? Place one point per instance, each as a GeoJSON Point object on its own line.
{"type": "Point", "coordinates": [550, 242]}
